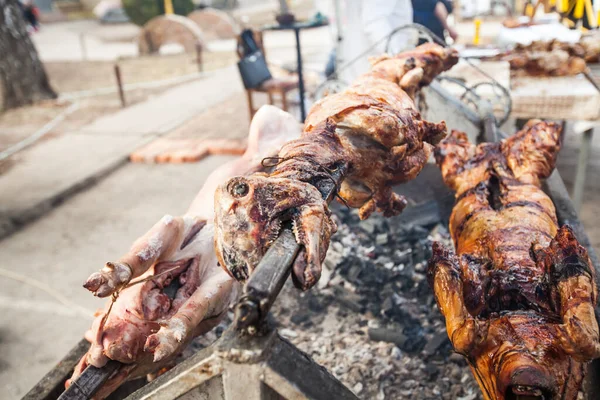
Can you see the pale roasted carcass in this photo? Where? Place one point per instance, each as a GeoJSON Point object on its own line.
{"type": "Point", "coordinates": [519, 294]}
{"type": "Point", "coordinates": [186, 292]}
{"type": "Point", "coordinates": [373, 126]}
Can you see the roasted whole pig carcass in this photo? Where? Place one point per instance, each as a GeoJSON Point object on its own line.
{"type": "Point", "coordinates": [546, 63]}
{"type": "Point", "coordinates": [373, 126]}
{"type": "Point", "coordinates": [591, 47]}
{"type": "Point", "coordinates": [186, 292]}
{"type": "Point", "coordinates": [519, 294]}
{"type": "Point", "coordinates": [553, 58]}
{"type": "Point", "coordinates": [588, 47]}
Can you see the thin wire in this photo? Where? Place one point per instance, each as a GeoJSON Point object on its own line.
{"type": "Point", "coordinates": [418, 27]}
{"type": "Point", "coordinates": [116, 294]}
{"type": "Point", "coordinates": [48, 290]}
{"type": "Point", "coordinates": [431, 37]}
{"type": "Point", "coordinates": [328, 172]}
{"type": "Point", "coordinates": [588, 75]}
{"type": "Point", "coordinates": [39, 133]}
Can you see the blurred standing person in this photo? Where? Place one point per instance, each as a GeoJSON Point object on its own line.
{"type": "Point", "coordinates": [30, 13]}
{"type": "Point", "coordinates": [433, 14]}
{"type": "Point", "coordinates": [365, 25]}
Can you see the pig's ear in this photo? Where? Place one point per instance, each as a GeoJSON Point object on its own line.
{"type": "Point", "coordinates": [271, 127]}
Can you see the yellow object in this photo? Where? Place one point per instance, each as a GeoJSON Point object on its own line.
{"type": "Point", "coordinates": [589, 9]}
{"type": "Point", "coordinates": [169, 7]}
{"type": "Point", "coordinates": [598, 19]}
{"type": "Point", "coordinates": [568, 23]}
{"type": "Point", "coordinates": [519, 5]}
{"type": "Point", "coordinates": [529, 10]}
{"type": "Point", "coordinates": [477, 37]}
{"type": "Point", "coordinates": [579, 8]}
{"type": "Point", "coordinates": [560, 4]}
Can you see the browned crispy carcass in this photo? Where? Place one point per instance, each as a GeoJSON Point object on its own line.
{"type": "Point", "coordinates": [519, 294]}
{"type": "Point", "coordinates": [591, 47]}
{"type": "Point", "coordinates": [553, 58]}
{"type": "Point", "coordinates": [373, 126]}
{"type": "Point", "coordinates": [587, 48]}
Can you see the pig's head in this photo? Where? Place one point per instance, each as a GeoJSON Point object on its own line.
{"type": "Point", "coordinates": [522, 358]}
{"type": "Point", "coordinates": [247, 220]}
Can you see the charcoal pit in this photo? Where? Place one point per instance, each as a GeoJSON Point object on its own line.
{"type": "Point", "coordinates": [372, 322]}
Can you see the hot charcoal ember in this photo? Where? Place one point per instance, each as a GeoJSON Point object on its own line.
{"type": "Point", "coordinates": [373, 127]}
{"type": "Point", "coordinates": [372, 320]}
{"type": "Point", "coordinates": [186, 292]}
{"type": "Point", "coordinates": [519, 294]}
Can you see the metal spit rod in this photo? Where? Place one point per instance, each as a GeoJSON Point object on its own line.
{"type": "Point", "coordinates": [90, 381]}
{"type": "Point", "coordinates": [258, 294]}
{"type": "Point", "coordinates": [270, 275]}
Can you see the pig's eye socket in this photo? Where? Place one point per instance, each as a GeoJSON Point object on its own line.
{"type": "Point", "coordinates": [239, 189]}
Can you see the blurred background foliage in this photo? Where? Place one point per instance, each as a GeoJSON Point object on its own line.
{"type": "Point", "coordinates": [141, 11]}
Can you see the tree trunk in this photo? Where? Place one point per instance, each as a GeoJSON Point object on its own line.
{"type": "Point", "coordinates": [23, 79]}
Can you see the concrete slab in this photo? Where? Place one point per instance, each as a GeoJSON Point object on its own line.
{"type": "Point", "coordinates": [170, 109]}
{"type": "Point", "coordinates": [54, 169]}
{"type": "Point", "coordinates": [48, 173]}
{"type": "Point", "coordinates": [61, 249]}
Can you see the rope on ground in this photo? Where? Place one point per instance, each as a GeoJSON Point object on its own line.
{"type": "Point", "coordinates": [38, 134]}
{"type": "Point", "coordinates": [50, 291]}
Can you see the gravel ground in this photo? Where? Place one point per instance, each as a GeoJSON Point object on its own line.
{"type": "Point", "coordinates": [70, 76]}
{"type": "Point", "coordinates": [373, 321]}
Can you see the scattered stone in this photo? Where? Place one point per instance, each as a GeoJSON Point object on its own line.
{"type": "Point", "coordinates": [299, 318]}
{"type": "Point", "coordinates": [374, 324]}
{"type": "Point", "coordinates": [381, 239]}
{"type": "Point", "coordinates": [470, 396]}
{"type": "Point", "coordinates": [435, 343]}
{"type": "Point", "coordinates": [288, 333]}
{"type": "Point", "coordinates": [357, 388]}
{"type": "Point", "coordinates": [368, 225]}
{"type": "Point", "coordinates": [387, 335]}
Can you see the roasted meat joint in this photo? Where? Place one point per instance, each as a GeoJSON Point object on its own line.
{"type": "Point", "coordinates": [553, 58]}
{"type": "Point", "coordinates": [518, 295]}
{"type": "Point", "coordinates": [373, 127]}
{"type": "Point", "coordinates": [168, 288]}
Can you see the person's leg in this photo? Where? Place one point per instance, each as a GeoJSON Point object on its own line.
{"type": "Point", "coordinates": [330, 68]}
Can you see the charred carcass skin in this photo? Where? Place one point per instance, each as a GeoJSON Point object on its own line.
{"type": "Point", "coordinates": [373, 127]}
{"type": "Point", "coordinates": [187, 292]}
{"type": "Point", "coordinates": [519, 294]}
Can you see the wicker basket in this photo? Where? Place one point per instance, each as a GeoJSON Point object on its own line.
{"type": "Point", "coordinates": [565, 98]}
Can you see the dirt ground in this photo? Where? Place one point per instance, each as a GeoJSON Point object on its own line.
{"type": "Point", "coordinates": [16, 125]}
{"type": "Point", "coordinates": [72, 76]}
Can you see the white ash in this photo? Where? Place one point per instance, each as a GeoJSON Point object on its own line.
{"type": "Point", "coordinates": [372, 291]}
{"type": "Point", "coordinates": [376, 288]}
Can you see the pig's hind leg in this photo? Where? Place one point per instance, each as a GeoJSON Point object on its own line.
{"type": "Point", "coordinates": [444, 277]}
{"type": "Point", "coordinates": [571, 270]}
{"type": "Point", "coordinates": [195, 316]}
{"type": "Point", "coordinates": [165, 238]}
